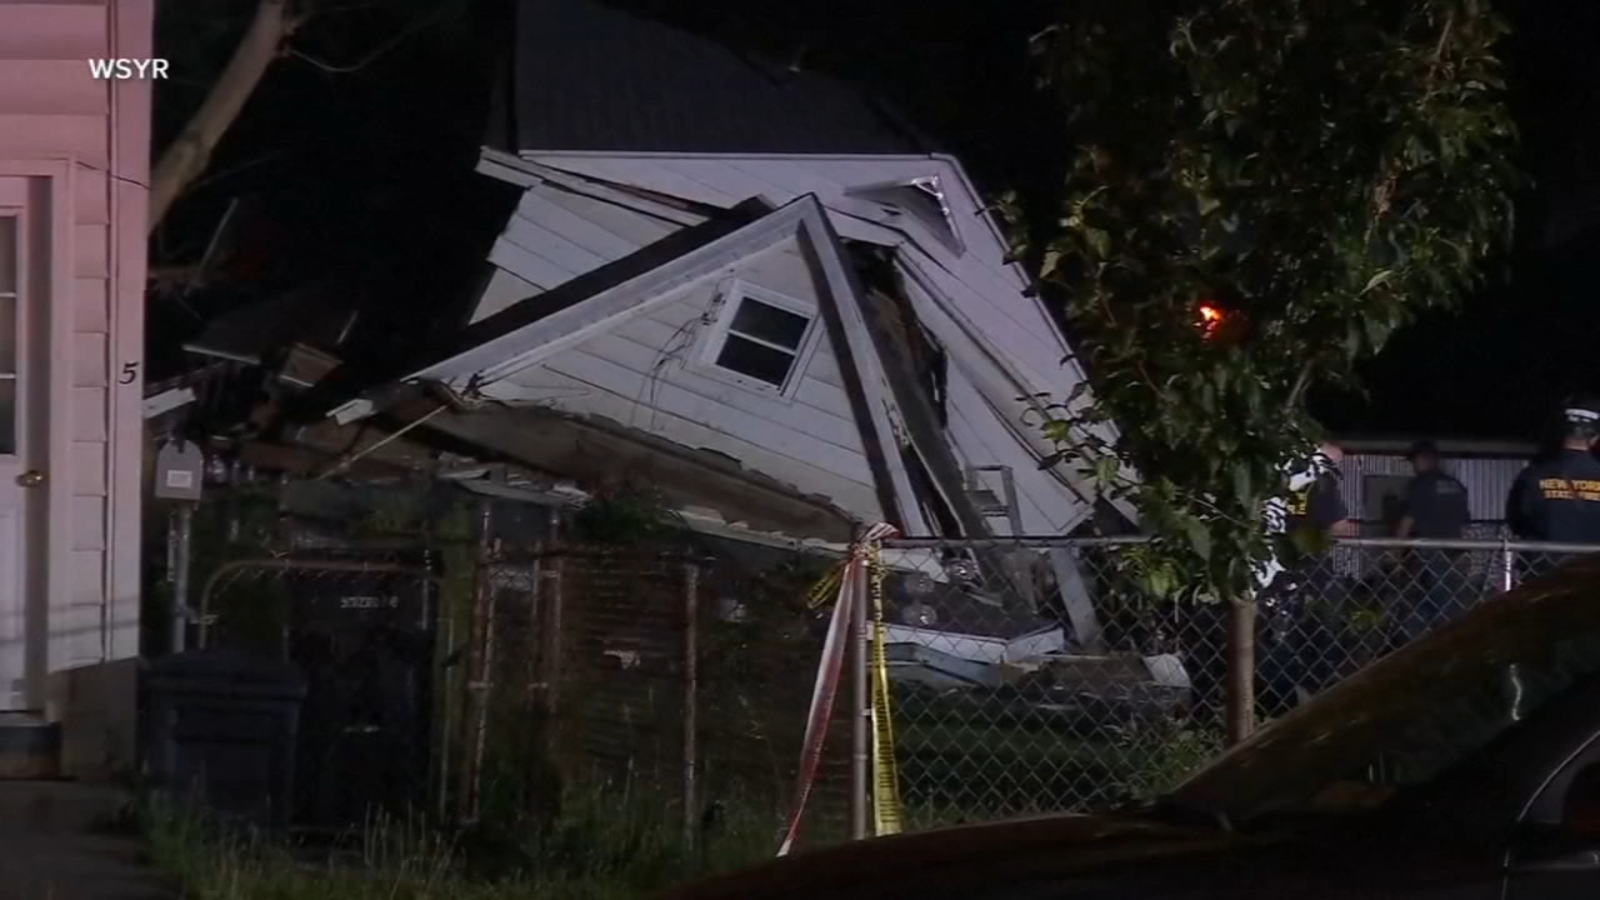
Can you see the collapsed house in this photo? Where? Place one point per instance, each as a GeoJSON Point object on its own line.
{"type": "Point", "coordinates": [757, 290]}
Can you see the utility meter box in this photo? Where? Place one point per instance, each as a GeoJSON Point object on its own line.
{"type": "Point", "coordinates": [180, 469]}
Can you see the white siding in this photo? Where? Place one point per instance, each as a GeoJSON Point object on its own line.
{"type": "Point", "coordinates": [645, 372]}
{"type": "Point", "coordinates": [503, 290]}
{"type": "Point", "coordinates": [1006, 341]}
{"type": "Point", "coordinates": [556, 235]}
{"type": "Point", "coordinates": [979, 438]}
{"type": "Point", "coordinates": [988, 290]}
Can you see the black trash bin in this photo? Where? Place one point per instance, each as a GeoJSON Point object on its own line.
{"type": "Point", "coordinates": [221, 732]}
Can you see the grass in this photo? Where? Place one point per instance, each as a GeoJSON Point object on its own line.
{"type": "Point", "coordinates": [625, 838]}
{"type": "Point", "coordinates": [613, 841]}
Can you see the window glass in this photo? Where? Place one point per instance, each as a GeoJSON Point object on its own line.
{"type": "Point", "coordinates": [755, 360]}
{"type": "Point", "coordinates": [763, 342]}
{"type": "Point", "coordinates": [769, 324]}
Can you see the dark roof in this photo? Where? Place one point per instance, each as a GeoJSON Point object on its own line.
{"type": "Point", "coordinates": [591, 78]}
{"type": "Point", "coordinates": [359, 376]}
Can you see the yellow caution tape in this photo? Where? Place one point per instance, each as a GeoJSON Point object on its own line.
{"type": "Point", "coordinates": [885, 776]}
{"type": "Point", "coordinates": [826, 590]}
{"type": "Point", "coordinates": [885, 780]}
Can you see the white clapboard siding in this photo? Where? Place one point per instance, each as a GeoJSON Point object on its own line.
{"type": "Point", "coordinates": [637, 228]}
{"type": "Point", "coordinates": [556, 235]}
{"type": "Point", "coordinates": [587, 231]}
{"type": "Point", "coordinates": [503, 290]}
{"type": "Point", "coordinates": [704, 429]}
{"type": "Point", "coordinates": [653, 174]}
{"type": "Point", "coordinates": [541, 238]}
{"type": "Point", "coordinates": [979, 438]}
{"type": "Point", "coordinates": [51, 110]}
{"type": "Point", "coordinates": [528, 265]}
{"type": "Point", "coordinates": [657, 346]}
{"type": "Point", "coordinates": [988, 290]}
{"type": "Point", "coordinates": [647, 371]}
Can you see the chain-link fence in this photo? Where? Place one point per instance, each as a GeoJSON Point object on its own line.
{"type": "Point", "coordinates": [360, 632]}
{"type": "Point", "coordinates": [682, 679]}
{"type": "Point", "coordinates": [498, 683]}
{"type": "Point", "coordinates": [1040, 675]}
{"type": "Point", "coordinates": [485, 682]}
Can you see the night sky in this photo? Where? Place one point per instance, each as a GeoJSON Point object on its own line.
{"type": "Point", "coordinates": [367, 176]}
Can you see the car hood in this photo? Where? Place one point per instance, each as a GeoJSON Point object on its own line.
{"type": "Point", "coordinates": [960, 862]}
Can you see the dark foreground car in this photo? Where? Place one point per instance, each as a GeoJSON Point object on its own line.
{"type": "Point", "coordinates": [1463, 767]}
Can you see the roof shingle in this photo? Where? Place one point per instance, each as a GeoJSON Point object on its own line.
{"type": "Point", "coordinates": [591, 78]}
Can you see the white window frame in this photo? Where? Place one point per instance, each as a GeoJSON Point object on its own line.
{"type": "Point", "coordinates": [729, 297]}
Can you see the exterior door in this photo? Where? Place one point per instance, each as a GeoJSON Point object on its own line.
{"type": "Point", "coordinates": [21, 448]}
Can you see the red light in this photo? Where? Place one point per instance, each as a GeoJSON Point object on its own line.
{"type": "Point", "coordinates": [1211, 318]}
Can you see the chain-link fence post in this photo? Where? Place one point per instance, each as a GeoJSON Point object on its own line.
{"type": "Point", "coordinates": [181, 541]}
{"type": "Point", "coordinates": [1508, 576]}
{"type": "Point", "coordinates": [860, 707]}
{"type": "Point", "coordinates": [1241, 649]}
{"type": "Point", "coordinates": [691, 690]}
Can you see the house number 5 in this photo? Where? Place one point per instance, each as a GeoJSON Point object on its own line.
{"type": "Point", "coordinates": [130, 373]}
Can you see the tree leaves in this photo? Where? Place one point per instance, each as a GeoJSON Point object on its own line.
{"type": "Point", "coordinates": [1331, 169]}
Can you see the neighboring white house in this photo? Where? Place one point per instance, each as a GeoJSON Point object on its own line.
{"type": "Point", "coordinates": [74, 162]}
{"type": "Point", "coordinates": [760, 267]}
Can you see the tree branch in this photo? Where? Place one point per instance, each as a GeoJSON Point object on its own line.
{"type": "Point", "coordinates": [1302, 383]}
{"type": "Point", "coordinates": [189, 155]}
{"type": "Point", "coordinates": [377, 52]}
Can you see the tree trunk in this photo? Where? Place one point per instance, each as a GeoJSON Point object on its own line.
{"type": "Point", "coordinates": [189, 155]}
{"type": "Point", "coordinates": [1241, 693]}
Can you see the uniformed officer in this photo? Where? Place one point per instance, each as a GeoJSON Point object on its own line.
{"type": "Point", "coordinates": [1559, 499]}
{"type": "Point", "coordinates": [1434, 507]}
{"type": "Point", "coordinates": [1294, 651]}
{"type": "Point", "coordinates": [1316, 503]}
{"type": "Point", "coordinates": [1435, 502]}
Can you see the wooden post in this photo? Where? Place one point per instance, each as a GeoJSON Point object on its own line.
{"type": "Point", "coordinates": [474, 708]}
{"type": "Point", "coordinates": [691, 690]}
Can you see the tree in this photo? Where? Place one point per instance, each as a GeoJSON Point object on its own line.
{"type": "Point", "coordinates": [373, 27]}
{"type": "Point", "coordinates": [1261, 193]}
{"type": "Point", "coordinates": [187, 157]}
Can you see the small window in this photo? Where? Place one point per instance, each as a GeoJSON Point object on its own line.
{"type": "Point", "coordinates": [763, 341]}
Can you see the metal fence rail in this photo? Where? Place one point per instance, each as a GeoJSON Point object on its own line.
{"type": "Point", "coordinates": [1035, 675]}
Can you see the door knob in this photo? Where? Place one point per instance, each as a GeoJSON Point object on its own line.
{"type": "Point", "coordinates": [31, 478]}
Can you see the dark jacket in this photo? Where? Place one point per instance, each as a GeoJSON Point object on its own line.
{"type": "Point", "coordinates": [1557, 500]}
